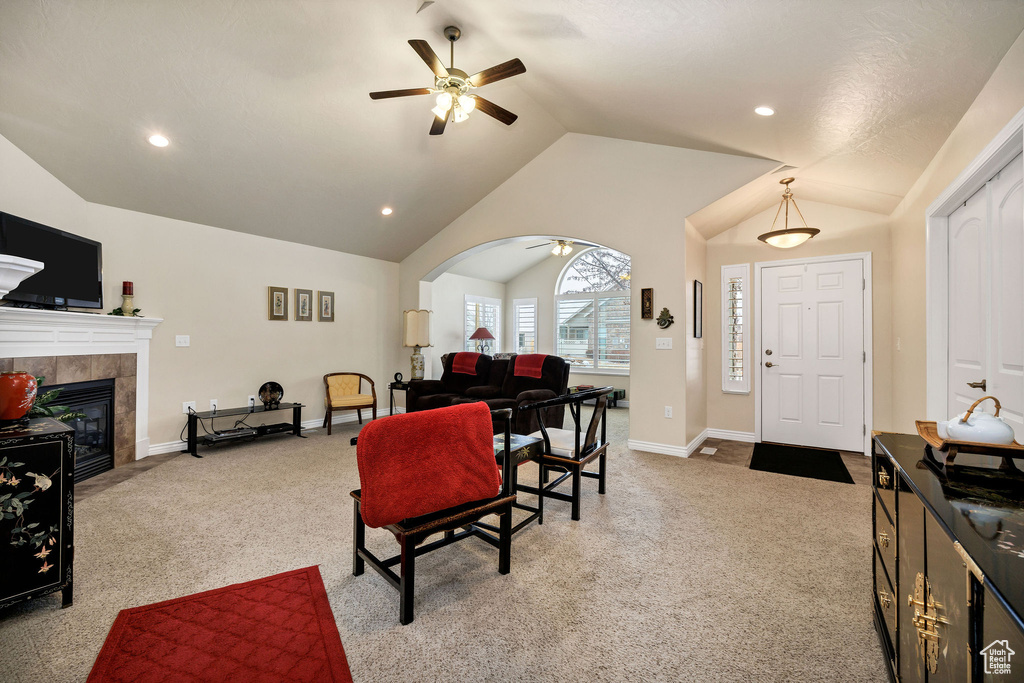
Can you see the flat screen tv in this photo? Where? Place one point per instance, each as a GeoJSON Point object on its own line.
{"type": "Point", "coordinates": [73, 275]}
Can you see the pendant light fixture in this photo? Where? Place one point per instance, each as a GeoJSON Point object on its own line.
{"type": "Point", "coordinates": [788, 237]}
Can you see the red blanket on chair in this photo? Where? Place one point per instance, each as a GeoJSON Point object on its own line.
{"type": "Point", "coordinates": [422, 462]}
{"type": "Point", "coordinates": [529, 365]}
{"type": "Point", "coordinates": [465, 363]}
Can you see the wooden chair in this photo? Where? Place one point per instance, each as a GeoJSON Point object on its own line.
{"type": "Point", "coordinates": [420, 463]}
{"type": "Point", "coordinates": [343, 394]}
{"type": "Point", "coordinates": [570, 450]}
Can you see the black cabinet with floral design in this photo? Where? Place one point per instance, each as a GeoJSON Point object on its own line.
{"type": "Point", "coordinates": [37, 491]}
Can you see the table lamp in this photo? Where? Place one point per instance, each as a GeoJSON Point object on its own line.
{"type": "Point", "coordinates": [481, 336]}
{"type": "Point", "coordinates": [416, 334]}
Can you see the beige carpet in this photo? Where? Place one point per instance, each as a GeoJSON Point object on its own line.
{"type": "Point", "coordinates": [685, 570]}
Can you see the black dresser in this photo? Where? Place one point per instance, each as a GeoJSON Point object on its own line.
{"type": "Point", "coordinates": [948, 564]}
{"type": "Point", "coordinates": [37, 492]}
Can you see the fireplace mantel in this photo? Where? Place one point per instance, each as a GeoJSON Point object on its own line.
{"type": "Point", "coordinates": [29, 332]}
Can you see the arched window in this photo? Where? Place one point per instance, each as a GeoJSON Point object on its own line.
{"type": "Point", "coordinates": [592, 311]}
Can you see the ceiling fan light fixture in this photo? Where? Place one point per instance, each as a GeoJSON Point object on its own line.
{"type": "Point", "coordinates": [460, 114]}
{"type": "Point", "coordinates": [788, 237]}
{"type": "Point", "coordinates": [467, 103]}
{"type": "Point", "coordinates": [562, 248]}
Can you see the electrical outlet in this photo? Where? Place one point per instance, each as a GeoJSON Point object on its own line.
{"type": "Point", "coordinates": [181, 340]}
{"type": "Point", "coordinates": [663, 343]}
{"type": "Point", "coordinates": [668, 411]}
{"type": "Point", "coordinates": [213, 404]}
{"type": "Point", "coordinates": [252, 402]}
{"type": "Point", "coordinates": [185, 405]}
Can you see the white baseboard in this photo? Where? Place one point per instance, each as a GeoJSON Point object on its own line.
{"type": "Point", "coordinates": [729, 435]}
{"type": "Point", "coordinates": [692, 447]}
{"type": "Point", "coordinates": [342, 418]}
{"type": "Point", "coordinates": [663, 448]}
{"type": "Point", "coordinates": [622, 404]}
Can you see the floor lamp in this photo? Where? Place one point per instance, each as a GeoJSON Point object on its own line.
{"type": "Point", "coordinates": [416, 335]}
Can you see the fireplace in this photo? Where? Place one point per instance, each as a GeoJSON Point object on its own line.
{"type": "Point", "coordinates": [94, 433]}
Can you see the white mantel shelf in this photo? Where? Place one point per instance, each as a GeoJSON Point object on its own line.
{"type": "Point", "coordinates": [31, 332]}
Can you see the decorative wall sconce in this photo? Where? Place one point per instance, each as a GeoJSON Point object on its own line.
{"type": "Point", "coordinates": [665, 319]}
{"type": "Point", "coordinates": [647, 304]}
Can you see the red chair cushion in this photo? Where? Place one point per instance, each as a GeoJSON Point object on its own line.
{"type": "Point", "coordinates": [423, 462]}
{"type": "Point", "coordinates": [529, 364]}
{"type": "Point", "coordinates": [465, 363]}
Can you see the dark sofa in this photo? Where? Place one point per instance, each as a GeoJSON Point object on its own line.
{"type": "Point", "coordinates": [496, 382]}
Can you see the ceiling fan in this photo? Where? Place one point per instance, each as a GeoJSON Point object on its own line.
{"type": "Point", "coordinates": [562, 247]}
{"type": "Point", "coordinates": [452, 86]}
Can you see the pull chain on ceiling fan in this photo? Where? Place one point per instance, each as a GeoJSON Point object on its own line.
{"type": "Point", "coordinates": [452, 86]}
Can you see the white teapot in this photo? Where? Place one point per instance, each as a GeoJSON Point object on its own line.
{"type": "Point", "coordinates": [977, 426]}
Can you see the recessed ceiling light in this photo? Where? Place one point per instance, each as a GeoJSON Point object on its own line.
{"type": "Point", "coordinates": [386, 211]}
{"type": "Point", "coordinates": [158, 140]}
{"type": "Point", "coordinates": [764, 111]}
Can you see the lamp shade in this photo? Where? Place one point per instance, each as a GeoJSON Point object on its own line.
{"type": "Point", "coordinates": [482, 333]}
{"type": "Point", "coordinates": [416, 328]}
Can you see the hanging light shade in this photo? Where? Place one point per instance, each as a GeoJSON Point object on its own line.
{"type": "Point", "coordinates": [562, 248]}
{"type": "Point", "coordinates": [788, 237]}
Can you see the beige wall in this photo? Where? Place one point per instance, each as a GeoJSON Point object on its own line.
{"type": "Point", "coordinates": [1000, 99]}
{"type": "Point", "coordinates": [539, 282]}
{"type": "Point", "coordinates": [843, 231]}
{"type": "Point", "coordinates": [211, 284]}
{"type": "Point", "coordinates": [630, 196]}
{"type": "Point", "coordinates": [448, 321]}
{"type": "Point", "coordinates": [696, 374]}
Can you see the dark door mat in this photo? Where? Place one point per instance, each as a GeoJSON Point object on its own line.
{"type": "Point", "coordinates": [800, 462]}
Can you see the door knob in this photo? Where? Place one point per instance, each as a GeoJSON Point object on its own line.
{"type": "Point", "coordinates": [769, 364]}
{"type": "Point", "coordinates": [977, 385]}
{"type": "Point", "coordinates": [767, 352]}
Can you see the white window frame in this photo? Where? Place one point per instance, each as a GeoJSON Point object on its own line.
{"type": "Point", "coordinates": [516, 305]}
{"type": "Point", "coordinates": [471, 345]}
{"type": "Point", "coordinates": [729, 384]}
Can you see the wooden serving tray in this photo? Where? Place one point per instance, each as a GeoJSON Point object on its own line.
{"type": "Point", "coordinates": [929, 431]}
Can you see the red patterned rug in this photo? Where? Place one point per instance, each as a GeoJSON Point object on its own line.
{"type": "Point", "coordinates": [279, 628]}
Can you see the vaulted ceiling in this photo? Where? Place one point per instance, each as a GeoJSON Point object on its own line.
{"type": "Point", "coordinates": [272, 131]}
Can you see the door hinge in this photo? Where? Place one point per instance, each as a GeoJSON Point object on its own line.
{"type": "Point", "coordinates": [864, 284]}
{"type": "Point", "coordinates": [864, 430]}
{"type": "Point", "coordinates": [865, 356]}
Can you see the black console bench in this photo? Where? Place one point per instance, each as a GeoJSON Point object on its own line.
{"type": "Point", "coordinates": [237, 432]}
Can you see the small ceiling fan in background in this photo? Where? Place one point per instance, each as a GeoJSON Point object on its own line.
{"type": "Point", "coordinates": [452, 86]}
{"type": "Point", "coordinates": [562, 247]}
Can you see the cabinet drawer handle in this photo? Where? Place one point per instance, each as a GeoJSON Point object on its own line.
{"type": "Point", "coordinates": [883, 478]}
{"type": "Point", "coordinates": [883, 539]}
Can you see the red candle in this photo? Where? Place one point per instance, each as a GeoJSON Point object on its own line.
{"type": "Point", "coordinates": [127, 288]}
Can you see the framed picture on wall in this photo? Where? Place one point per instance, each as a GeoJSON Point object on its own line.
{"type": "Point", "coordinates": [325, 309]}
{"type": "Point", "coordinates": [647, 304]}
{"type": "Point", "coordinates": [304, 305]}
{"type": "Point", "coordinates": [698, 309]}
{"type": "Point", "coordinates": [277, 303]}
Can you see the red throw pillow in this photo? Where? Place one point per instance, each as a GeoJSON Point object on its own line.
{"type": "Point", "coordinates": [422, 462]}
{"type": "Point", "coordinates": [529, 365]}
{"type": "Point", "coordinates": [465, 362]}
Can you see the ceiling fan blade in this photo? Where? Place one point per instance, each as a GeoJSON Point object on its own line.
{"type": "Point", "coordinates": [491, 109]}
{"type": "Point", "coordinates": [428, 55]}
{"type": "Point", "coordinates": [384, 94]}
{"type": "Point", "coordinates": [437, 126]}
{"type": "Point", "coordinates": [546, 244]}
{"type": "Point", "coordinates": [512, 67]}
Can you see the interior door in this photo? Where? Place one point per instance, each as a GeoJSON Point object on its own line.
{"type": "Point", "coordinates": [986, 297]}
{"type": "Point", "coordinates": [812, 355]}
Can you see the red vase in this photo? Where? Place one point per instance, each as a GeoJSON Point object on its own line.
{"type": "Point", "coordinates": [17, 394]}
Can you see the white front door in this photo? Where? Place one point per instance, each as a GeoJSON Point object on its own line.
{"type": "Point", "coordinates": [812, 354]}
{"type": "Point", "coordinates": [986, 298]}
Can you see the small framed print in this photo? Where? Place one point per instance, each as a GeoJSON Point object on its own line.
{"type": "Point", "coordinates": [647, 304]}
{"type": "Point", "coordinates": [304, 305]}
{"type": "Point", "coordinates": [277, 303]}
{"type": "Point", "coordinates": [698, 309]}
{"type": "Point", "coordinates": [326, 307]}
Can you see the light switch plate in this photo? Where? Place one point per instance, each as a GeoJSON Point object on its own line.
{"type": "Point", "coordinates": [663, 343]}
{"type": "Point", "coordinates": [181, 340]}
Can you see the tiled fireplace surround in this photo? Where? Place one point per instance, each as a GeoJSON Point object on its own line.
{"type": "Point", "coordinates": [67, 347]}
